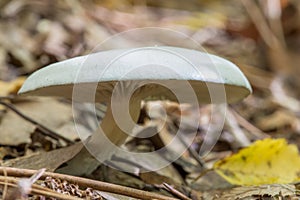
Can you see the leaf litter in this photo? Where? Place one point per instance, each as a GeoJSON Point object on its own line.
{"type": "Point", "coordinates": [34, 34]}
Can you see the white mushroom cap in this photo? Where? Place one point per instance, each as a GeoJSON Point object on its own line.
{"type": "Point", "coordinates": [109, 67]}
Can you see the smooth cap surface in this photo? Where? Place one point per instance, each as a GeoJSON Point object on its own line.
{"type": "Point", "coordinates": [162, 64]}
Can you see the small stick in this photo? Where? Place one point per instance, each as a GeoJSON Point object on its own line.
{"type": "Point", "coordinates": [248, 126]}
{"type": "Point", "coordinates": [192, 152]}
{"type": "Point", "coordinates": [258, 19]}
{"type": "Point", "coordinates": [175, 192]}
{"type": "Point", "coordinates": [38, 190]}
{"type": "Point", "coordinates": [97, 185]}
{"type": "Point", "coordinates": [232, 125]}
{"type": "Point", "coordinates": [8, 97]}
{"type": "Point", "coordinates": [202, 174]}
{"type": "Point", "coordinates": [5, 185]}
{"type": "Point", "coordinates": [46, 131]}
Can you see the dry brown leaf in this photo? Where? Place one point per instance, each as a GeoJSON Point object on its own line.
{"type": "Point", "coordinates": [155, 178]}
{"type": "Point", "coordinates": [87, 162]}
{"type": "Point", "coordinates": [50, 160]}
{"type": "Point", "coordinates": [280, 119]}
{"type": "Point", "coordinates": [47, 111]}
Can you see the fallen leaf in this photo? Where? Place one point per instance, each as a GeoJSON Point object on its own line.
{"type": "Point", "coordinates": [264, 162]}
{"type": "Point", "coordinates": [50, 160]}
{"type": "Point", "coordinates": [279, 120]}
{"type": "Point", "coordinates": [12, 87]}
{"type": "Point", "coordinates": [47, 111]}
{"type": "Point", "coordinates": [87, 162]}
{"type": "Point", "coordinates": [154, 178]}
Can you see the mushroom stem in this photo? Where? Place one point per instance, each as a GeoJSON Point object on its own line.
{"type": "Point", "coordinates": [114, 129]}
{"type": "Point", "coordinates": [97, 144]}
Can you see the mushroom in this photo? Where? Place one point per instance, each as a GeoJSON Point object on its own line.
{"type": "Point", "coordinates": [123, 78]}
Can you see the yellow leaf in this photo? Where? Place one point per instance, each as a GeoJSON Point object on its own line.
{"type": "Point", "coordinates": [12, 87]}
{"type": "Point", "coordinates": [264, 162]}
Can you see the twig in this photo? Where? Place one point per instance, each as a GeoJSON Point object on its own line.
{"type": "Point", "coordinates": [202, 174]}
{"type": "Point", "coordinates": [192, 152]}
{"type": "Point", "coordinates": [273, 15]}
{"type": "Point", "coordinates": [248, 126]}
{"type": "Point", "coordinates": [97, 185]}
{"type": "Point", "coordinates": [235, 130]}
{"type": "Point", "coordinates": [261, 24]}
{"type": "Point", "coordinates": [282, 98]}
{"type": "Point", "coordinates": [175, 192]}
{"type": "Point", "coordinates": [36, 189]}
{"type": "Point", "coordinates": [5, 185]}
{"type": "Point", "coordinates": [279, 58]}
{"type": "Point", "coordinates": [46, 131]}
{"type": "Point", "coordinates": [8, 97]}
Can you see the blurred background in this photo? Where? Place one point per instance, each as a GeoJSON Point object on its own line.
{"type": "Point", "coordinates": [261, 36]}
